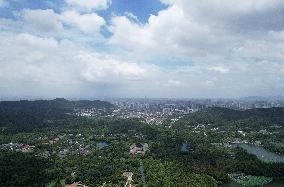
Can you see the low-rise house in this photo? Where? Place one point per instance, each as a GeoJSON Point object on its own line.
{"type": "Point", "coordinates": [12, 146]}
{"type": "Point", "coordinates": [139, 149]}
{"type": "Point", "coordinates": [18, 147]}
{"type": "Point", "coordinates": [28, 148]}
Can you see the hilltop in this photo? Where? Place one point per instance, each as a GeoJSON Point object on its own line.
{"type": "Point", "coordinates": [26, 114]}
{"type": "Point", "coordinates": [222, 116]}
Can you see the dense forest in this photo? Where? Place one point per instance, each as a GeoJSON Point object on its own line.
{"type": "Point", "coordinates": [225, 115]}
{"type": "Point", "coordinates": [27, 115]}
{"type": "Point", "coordinates": [96, 150]}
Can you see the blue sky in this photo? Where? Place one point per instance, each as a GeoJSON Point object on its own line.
{"type": "Point", "coordinates": [142, 8]}
{"type": "Point", "coordinates": [137, 48]}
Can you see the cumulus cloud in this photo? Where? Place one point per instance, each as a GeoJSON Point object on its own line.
{"type": "Point", "coordinates": [34, 21]}
{"type": "Point", "coordinates": [170, 32]}
{"type": "Point", "coordinates": [44, 66]}
{"type": "Point", "coordinates": [89, 4]}
{"type": "Point", "coordinates": [212, 49]}
{"type": "Point", "coordinates": [47, 67]}
{"type": "Point", "coordinates": [32, 65]}
{"type": "Point", "coordinates": [103, 68]}
{"type": "Point", "coordinates": [69, 24]}
{"type": "Point", "coordinates": [204, 31]}
{"type": "Point", "coordinates": [87, 23]}
{"type": "Point", "coordinates": [130, 34]}
{"type": "Point", "coordinates": [41, 20]}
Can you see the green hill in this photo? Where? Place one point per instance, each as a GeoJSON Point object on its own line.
{"type": "Point", "coordinates": [269, 116]}
{"type": "Point", "coordinates": [29, 114]}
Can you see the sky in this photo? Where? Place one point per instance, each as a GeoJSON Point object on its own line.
{"type": "Point", "coordinates": [141, 48]}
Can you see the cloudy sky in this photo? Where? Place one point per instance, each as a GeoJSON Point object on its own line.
{"type": "Point", "coordinates": [137, 48]}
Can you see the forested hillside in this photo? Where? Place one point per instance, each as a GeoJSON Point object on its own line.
{"type": "Point", "coordinates": [26, 115]}
{"type": "Point", "coordinates": [225, 116]}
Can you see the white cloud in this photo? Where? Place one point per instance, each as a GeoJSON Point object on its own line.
{"type": "Point", "coordinates": [219, 69]}
{"type": "Point", "coordinates": [87, 23]}
{"type": "Point", "coordinates": [41, 20]}
{"type": "Point", "coordinates": [47, 67]}
{"type": "Point", "coordinates": [108, 69]}
{"type": "Point", "coordinates": [242, 79]}
{"type": "Point", "coordinates": [228, 5]}
{"type": "Point", "coordinates": [230, 48]}
{"type": "Point", "coordinates": [202, 31]}
{"type": "Point", "coordinates": [48, 21]}
{"type": "Point", "coordinates": [35, 66]}
{"type": "Point", "coordinates": [79, 27]}
{"type": "Point", "coordinates": [171, 32]}
{"type": "Point", "coordinates": [89, 4]}
{"type": "Point", "coordinates": [174, 83]}
{"type": "Point", "coordinates": [43, 66]}
{"type": "Point", "coordinates": [131, 16]}
{"type": "Point", "coordinates": [130, 35]}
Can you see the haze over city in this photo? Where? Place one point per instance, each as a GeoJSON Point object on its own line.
{"type": "Point", "coordinates": [132, 48]}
